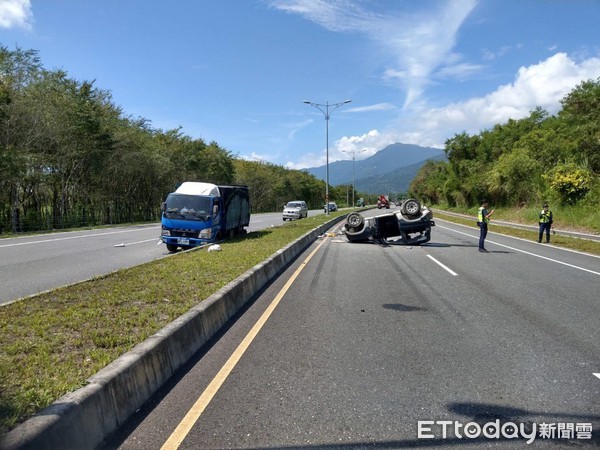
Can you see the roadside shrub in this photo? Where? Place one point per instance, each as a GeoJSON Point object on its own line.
{"type": "Point", "coordinates": [571, 182]}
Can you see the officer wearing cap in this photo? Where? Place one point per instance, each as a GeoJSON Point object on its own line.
{"type": "Point", "coordinates": [545, 223]}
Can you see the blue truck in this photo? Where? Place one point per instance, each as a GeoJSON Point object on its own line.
{"type": "Point", "coordinates": [202, 213]}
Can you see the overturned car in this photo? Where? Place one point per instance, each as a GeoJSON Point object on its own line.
{"type": "Point", "coordinates": [411, 224]}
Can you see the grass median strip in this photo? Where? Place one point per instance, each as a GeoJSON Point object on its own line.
{"type": "Point", "coordinates": [50, 344]}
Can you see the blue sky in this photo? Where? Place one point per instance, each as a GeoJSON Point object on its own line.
{"type": "Point", "coordinates": [237, 71]}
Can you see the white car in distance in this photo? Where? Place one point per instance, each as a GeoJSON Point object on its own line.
{"type": "Point", "coordinates": [296, 209]}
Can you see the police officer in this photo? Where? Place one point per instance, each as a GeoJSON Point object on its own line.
{"type": "Point", "coordinates": [545, 223]}
{"type": "Point", "coordinates": [483, 218]}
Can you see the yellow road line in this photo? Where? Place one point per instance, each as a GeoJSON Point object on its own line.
{"type": "Point", "coordinates": [198, 408]}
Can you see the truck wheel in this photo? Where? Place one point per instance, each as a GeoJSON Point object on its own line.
{"type": "Point", "coordinates": [172, 248]}
{"type": "Point", "coordinates": [411, 207]}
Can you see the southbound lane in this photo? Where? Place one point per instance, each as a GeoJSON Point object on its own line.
{"type": "Point", "coordinates": [33, 264]}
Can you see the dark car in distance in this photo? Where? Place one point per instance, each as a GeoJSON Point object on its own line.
{"type": "Point", "coordinates": [331, 206]}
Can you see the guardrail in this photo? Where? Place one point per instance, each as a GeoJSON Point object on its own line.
{"type": "Point", "coordinates": [560, 232]}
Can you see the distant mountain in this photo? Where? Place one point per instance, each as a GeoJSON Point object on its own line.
{"type": "Point", "coordinates": [394, 166]}
{"type": "Point", "coordinates": [396, 181]}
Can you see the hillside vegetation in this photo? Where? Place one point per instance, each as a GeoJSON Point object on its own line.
{"type": "Point", "coordinates": [70, 157]}
{"type": "Point", "coordinates": [523, 163]}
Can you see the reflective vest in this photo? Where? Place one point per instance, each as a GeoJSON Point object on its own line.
{"type": "Point", "coordinates": [481, 215]}
{"type": "Point", "coordinates": [546, 217]}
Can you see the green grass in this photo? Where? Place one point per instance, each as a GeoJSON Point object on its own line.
{"type": "Point", "coordinates": [51, 343]}
{"type": "Point", "coordinates": [581, 245]}
{"type": "Point", "coordinates": [584, 219]}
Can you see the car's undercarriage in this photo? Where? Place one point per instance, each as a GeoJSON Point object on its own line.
{"type": "Point", "coordinates": [410, 225]}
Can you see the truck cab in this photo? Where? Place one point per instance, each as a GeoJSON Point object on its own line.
{"type": "Point", "coordinates": [201, 213]}
{"type": "Point", "coordinates": [383, 202]}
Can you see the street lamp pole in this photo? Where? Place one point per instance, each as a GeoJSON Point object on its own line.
{"type": "Point", "coordinates": [327, 112]}
{"type": "Point", "coordinates": [353, 152]}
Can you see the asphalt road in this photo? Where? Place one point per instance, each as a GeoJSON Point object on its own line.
{"type": "Point", "coordinates": [34, 264]}
{"type": "Point", "coordinates": [364, 346]}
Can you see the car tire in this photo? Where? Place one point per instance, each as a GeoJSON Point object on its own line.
{"type": "Point", "coordinates": [172, 248]}
{"type": "Point", "coordinates": [411, 207]}
{"type": "Point", "coordinates": [355, 222]}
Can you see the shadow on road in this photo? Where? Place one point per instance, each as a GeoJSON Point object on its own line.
{"type": "Point", "coordinates": [403, 308]}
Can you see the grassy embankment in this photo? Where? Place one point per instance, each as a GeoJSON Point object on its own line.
{"type": "Point", "coordinates": [51, 343]}
{"type": "Point", "coordinates": [583, 220]}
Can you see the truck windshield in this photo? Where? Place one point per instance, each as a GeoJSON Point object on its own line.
{"type": "Point", "coordinates": [189, 207]}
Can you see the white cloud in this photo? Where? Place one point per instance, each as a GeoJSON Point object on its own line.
{"type": "Point", "coordinates": [369, 108]}
{"type": "Point", "coordinates": [459, 71]}
{"type": "Point", "coordinates": [420, 47]}
{"type": "Point", "coordinates": [544, 84]}
{"type": "Point", "coordinates": [419, 42]}
{"type": "Point", "coordinates": [295, 127]}
{"type": "Point", "coordinates": [15, 14]}
{"type": "Point", "coordinates": [422, 43]}
{"type": "Point", "coordinates": [362, 146]}
{"type": "Point", "coordinates": [489, 55]}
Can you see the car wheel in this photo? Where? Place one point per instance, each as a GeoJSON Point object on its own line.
{"type": "Point", "coordinates": [411, 207]}
{"type": "Point", "coordinates": [355, 222]}
{"type": "Point", "coordinates": [172, 248]}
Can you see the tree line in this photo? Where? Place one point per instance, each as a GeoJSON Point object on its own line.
{"type": "Point", "coordinates": [539, 158]}
{"type": "Point", "coordinates": [70, 157]}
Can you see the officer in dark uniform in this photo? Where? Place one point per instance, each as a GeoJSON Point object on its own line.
{"type": "Point", "coordinates": [483, 218]}
{"type": "Point", "coordinates": [545, 223]}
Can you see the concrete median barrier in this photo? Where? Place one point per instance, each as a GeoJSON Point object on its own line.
{"type": "Point", "coordinates": [83, 418]}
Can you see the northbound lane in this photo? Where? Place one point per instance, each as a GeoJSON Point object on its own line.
{"type": "Point", "coordinates": [362, 342]}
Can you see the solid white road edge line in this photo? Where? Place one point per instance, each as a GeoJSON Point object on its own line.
{"type": "Point", "coordinates": [564, 249]}
{"type": "Point", "coordinates": [68, 238]}
{"type": "Point", "coordinates": [525, 252]}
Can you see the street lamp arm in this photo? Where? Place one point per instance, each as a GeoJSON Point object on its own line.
{"type": "Point", "coordinates": [318, 106]}
{"type": "Point", "coordinates": [329, 108]}
{"type": "Point", "coordinates": [326, 112]}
